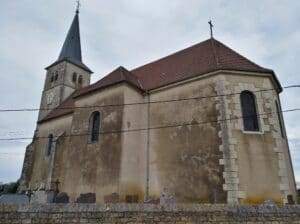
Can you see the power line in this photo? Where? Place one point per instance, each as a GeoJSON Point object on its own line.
{"type": "Point", "coordinates": [139, 103]}
{"type": "Point", "coordinates": [151, 128]}
{"type": "Point", "coordinates": [14, 154]}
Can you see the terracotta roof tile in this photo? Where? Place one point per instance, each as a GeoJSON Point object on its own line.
{"type": "Point", "coordinates": [117, 76]}
{"type": "Point", "coordinates": [207, 56]}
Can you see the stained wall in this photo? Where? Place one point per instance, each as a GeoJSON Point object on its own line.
{"type": "Point", "coordinates": [184, 153]}
{"type": "Point", "coordinates": [178, 147]}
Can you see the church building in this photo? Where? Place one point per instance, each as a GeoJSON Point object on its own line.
{"type": "Point", "coordinates": [203, 124]}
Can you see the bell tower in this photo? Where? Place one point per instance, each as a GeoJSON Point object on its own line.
{"type": "Point", "coordinates": [67, 74]}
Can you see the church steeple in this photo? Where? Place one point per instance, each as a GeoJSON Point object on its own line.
{"type": "Point", "coordinates": [67, 74]}
{"type": "Point", "coordinates": [71, 49]}
{"type": "Point", "coordinates": [72, 46]}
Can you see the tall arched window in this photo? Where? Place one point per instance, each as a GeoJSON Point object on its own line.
{"type": "Point", "coordinates": [74, 77]}
{"type": "Point", "coordinates": [94, 127]}
{"type": "Point", "coordinates": [80, 80]}
{"type": "Point", "coordinates": [50, 144]}
{"type": "Point", "coordinates": [280, 119]}
{"type": "Point", "coordinates": [249, 113]}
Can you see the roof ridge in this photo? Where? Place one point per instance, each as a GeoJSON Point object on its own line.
{"type": "Point", "coordinates": [170, 55]}
{"type": "Point", "coordinates": [235, 52]}
{"type": "Point", "coordinates": [123, 72]}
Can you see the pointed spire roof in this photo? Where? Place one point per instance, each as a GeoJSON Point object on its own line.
{"type": "Point", "coordinates": [71, 50]}
{"type": "Point", "coordinates": [72, 47]}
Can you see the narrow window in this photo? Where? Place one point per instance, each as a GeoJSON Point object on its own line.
{"type": "Point", "coordinates": [50, 144]}
{"type": "Point", "coordinates": [56, 76]}
{"type": "Point", "coordinates": [80, 80]}
{"type": "Point", "coordinates": [280, 119]}
{"type": "Point", "coordinates": [290, 199]}
{"type": "Point", "coordinates": [249, 113]}
{"type": "Point", "coordinates": [74, 78]}
{"type": "Point", "coordinates": [52, 78]}
{"type": "Point", "coordinates": [94, 127]}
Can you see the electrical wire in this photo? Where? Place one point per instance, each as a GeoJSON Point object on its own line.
{"type": "Point", "coordinates": [150, 128]}
{"type": "Point", "coordinates": [140, 103]}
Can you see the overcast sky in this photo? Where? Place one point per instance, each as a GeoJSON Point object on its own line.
{"type": "Point", "coordinates": [131, 33]}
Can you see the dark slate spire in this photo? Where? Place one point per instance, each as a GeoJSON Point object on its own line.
{"type": "Point", "coordinates": [71, 50]}
{"type": "Point", "coordinates": [72, 47]}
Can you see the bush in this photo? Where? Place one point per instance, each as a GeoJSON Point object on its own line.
{"type": "Point", "coordinates": [10, 188]}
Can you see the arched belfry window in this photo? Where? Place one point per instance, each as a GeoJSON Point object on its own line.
{"type": "Point", "coordinates": [250, 118]}
{"type": "Point", "coordinates": [50, 144]}
{"type": "Point", "coordinates": [94, 127]}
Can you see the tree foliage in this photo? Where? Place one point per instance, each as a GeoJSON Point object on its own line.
{"type": "Point", "coordinates": [10, 188]}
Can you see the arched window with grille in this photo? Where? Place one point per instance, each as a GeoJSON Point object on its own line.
{"type": "Point", "coordinates": [94, 127]}
{"type": "Point", "coordinates": [50, 144]}
{"type": "Point", "coordinates": [249, 112]}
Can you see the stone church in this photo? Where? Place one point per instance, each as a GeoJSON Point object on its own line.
{"type": "Point", "coordinates": [203, 124]}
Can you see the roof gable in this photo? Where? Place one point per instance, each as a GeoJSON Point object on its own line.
{"type": "Point", "coordinates": [117, 76]}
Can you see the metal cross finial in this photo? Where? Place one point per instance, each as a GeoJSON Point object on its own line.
{"type": "Point", "coordinates": [78, 6]}
{"type": "Point", "coordinates": [211, 28]}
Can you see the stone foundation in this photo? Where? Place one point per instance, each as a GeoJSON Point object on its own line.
{"type": "Point", "coordinates": [146, 213]}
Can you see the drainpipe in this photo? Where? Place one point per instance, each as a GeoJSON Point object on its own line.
{"type": "Point", "coordinates": [148, 148]}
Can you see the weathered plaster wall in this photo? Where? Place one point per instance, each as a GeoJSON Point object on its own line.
{"type": "Point", "coordinates": [94, 167]}
{"type": "Point", "coordinates": [42, 164]}
{"type": "Point", "coordinates": [133, 164]}
{"type": "Point", "coordinates": [194, 158]}
{"type": "Point", "coordinates": [184, 159]}
{"type": "Point", "coordinates": [264, 169]}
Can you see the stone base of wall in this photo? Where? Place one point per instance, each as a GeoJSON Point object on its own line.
{"type": "Point", "coordinates": [145, 213]}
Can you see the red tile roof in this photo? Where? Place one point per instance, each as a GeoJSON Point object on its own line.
{"type": "Point", "coordinates": [207, 56]}
{"type": "Point", "coordinates": [117, 76]}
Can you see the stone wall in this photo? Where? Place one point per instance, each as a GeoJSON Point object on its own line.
{"type": "Point", "coordinates": [146, 213]}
